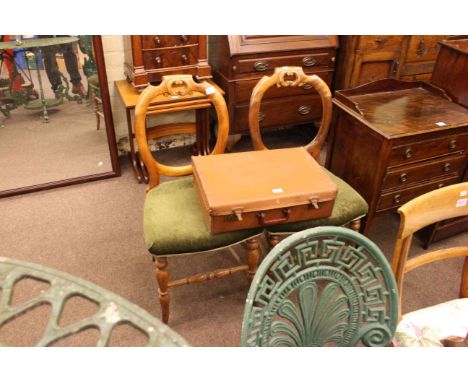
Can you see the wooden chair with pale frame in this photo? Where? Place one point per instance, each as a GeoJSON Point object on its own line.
{"type": "Point", "coordinates": [438, 321]}
{"type": "Point", "coordinates": [349, 206]}
{"type": "Point", "coordinates": [173, 218]}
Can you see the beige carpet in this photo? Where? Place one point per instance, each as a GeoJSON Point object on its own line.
{"type": "Point", "coordinates": [95, 231]}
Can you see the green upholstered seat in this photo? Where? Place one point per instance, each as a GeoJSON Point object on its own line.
{"type": "Point", "coordinates": [174, 222]}
{"type": "Point", "coordinates": [349, 205]}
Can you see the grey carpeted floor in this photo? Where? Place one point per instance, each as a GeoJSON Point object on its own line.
{"type": "Point", "coordinates": [95, 231]}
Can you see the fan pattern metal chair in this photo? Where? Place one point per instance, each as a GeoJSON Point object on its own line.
{"type": "Point", "coordinates": [113, 310]}
{"type": "Point", "coordinates": [349, 206]}
{"type": "Point", "coordinates": [449, 318]}
{"type": "Point", "coordinates": [173, 218]}
{"type": "Point", "coordinates": [322, 286]}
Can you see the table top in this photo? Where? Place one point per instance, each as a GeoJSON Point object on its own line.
{"type": "Point", "coordinates": [37, 43]}
{"type": "Point", "coordinates": [129, 95]}
{"type": "Point", "coordinates": [397, 108]}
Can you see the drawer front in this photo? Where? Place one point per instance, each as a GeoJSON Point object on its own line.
{"type": "Point", "coordinates": [423, 48]}
{"type": "Point", "coordinates": [170, 58]}
{"type": "Point", "coordinates": [407, 175]}
{"type": "Point", "coordinates": [428, 149]}
{"type": "Point", "coordinates": [281, 111]}
{"type": "Point", "coordinates": [244, 88]}
{"type": "Point", "coordinates": [386, 43]}
{"type": "Point", "coordinates": [152, 42]}
{"type": "Point", "coordinates": [417, 77]}
{"type": "Point", "coordinates": [397, 198]}
{"type": "Point", "coordinates": [262, 65]}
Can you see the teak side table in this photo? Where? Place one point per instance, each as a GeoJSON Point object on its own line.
{"type": "Point", "coordinates": [201, 127]}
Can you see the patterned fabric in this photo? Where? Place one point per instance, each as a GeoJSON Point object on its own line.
{"type": "Point", "coordinates": [426, 327]}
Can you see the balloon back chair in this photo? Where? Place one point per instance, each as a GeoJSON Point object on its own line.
{"type": "Point", "coordinates": [349, 206]}
{"type": "Point", "coordinates": [173, 218]}
{"type": "Point", "coordinates": [58, 290]}
{"type": "Point", "coordinates": [429, 325]}
{"type": "Point", "coordinates": [325, 286]}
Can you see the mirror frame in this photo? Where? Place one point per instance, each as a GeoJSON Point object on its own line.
{"type": "Point", "coordinates": [109, 122]}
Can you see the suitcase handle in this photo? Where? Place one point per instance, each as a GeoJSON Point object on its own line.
{"type": "Point", "coordinates": [262, 221]}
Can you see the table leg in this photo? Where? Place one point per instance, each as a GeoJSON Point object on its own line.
{"type": "Point", "coordinates": [41, 89]}
{"type": "Point", "coordinates": [132, 147]}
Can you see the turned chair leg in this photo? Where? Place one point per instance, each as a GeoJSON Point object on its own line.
{"type": "Point", "coordinates": [273, 240]}
{"type": "Point", "coordinates": [162, 276]}
{"type": "Point", "coordinates": [253, 257]}
{"type": "Point", "coordinates": [355, 225]}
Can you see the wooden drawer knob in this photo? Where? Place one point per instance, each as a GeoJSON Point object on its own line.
{"type": "Point", "coordinates": [447, 167]}
{"type": "Point", "coordinates": [397, 199]}
{"type": "Point", "coordinates": [184, 58]}
{"type": "Point", "coordinates": [408, 153]}
{"type": "Point", "coordinates": [403, 177]}
{"type": "Point", "coordinates": [157, 40]}
{"type": "Point", "coordinates": [304, 110]}
{"type": "Point", "coordinates": [158, 60]}
{"type": "Point", "coordinates": [309, 61]}
{"type": "Point", "coordinates": [261, 66]}
{"type": "Point", "coordinates": [261, 116]}
{"type": "Point", "coordinates": [452, 144]}
{"type": "Point", "coordinates": [184, 38]}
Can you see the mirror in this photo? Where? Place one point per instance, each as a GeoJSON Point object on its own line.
{"type": "Point", "coordinates": [56, 125]}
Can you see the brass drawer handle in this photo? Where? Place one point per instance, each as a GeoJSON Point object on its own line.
{"type": "Point", "coordinates": [380, 40]}
{"type": "Point", "coordinates": [306, 86]}
{"type": "Point", "coordinates": [440, 185]}
{"type": "Point", "coordinates": [397, 199]}
{"type": "Point", "coordinates": [261, 116]}
{"type": "Point", "coordinates": [261, 66]}
{"type": "Point", "coordinates": [157, 40]}
{"type": "Point", "coordinates": [452, 144]}
{"type": "Point", "coordinates": [447, 167]}
{"type": "Point", "coordinates": [158, 60]}
{"type": "Point", "coordinates": [403, 177]}
{"type": "Point", "coordinates": [184, 39]}
{"type": "Point", "coordinates": [304, 110]}
{"type": "Point", "coordinates": [408, 153]}
{"type": "Point", "coordinates": [309, 61]}
{"type": "Point", "coordinates": [185, 59]}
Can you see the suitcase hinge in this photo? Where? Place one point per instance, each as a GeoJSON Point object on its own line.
{"type": "Point", "coordinates": [238, 212]}
{"type": "Point", "coordinates": [314, 203]}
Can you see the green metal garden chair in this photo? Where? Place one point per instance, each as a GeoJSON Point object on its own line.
{"type": "Point", "coordinates": [59, 287]}
{"type": "Point", "coordinates": [325, 286]}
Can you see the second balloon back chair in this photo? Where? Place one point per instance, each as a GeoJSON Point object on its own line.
{"type": "Point", "coordinates": [173, 218]}
{"type": "Point", "coordinates": [349, 207]}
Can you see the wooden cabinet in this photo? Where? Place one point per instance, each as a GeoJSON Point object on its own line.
{"type": "Point", "coordinates": [395, 140]}
{"type": "Point", "coordinates": [239, 62]}
{"type": "Point", "coordinates": [149, 57]}
{"type": "Point", "coordinates": [364, 59]}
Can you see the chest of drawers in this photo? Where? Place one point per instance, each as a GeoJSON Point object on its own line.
{"type": "Point", "coordinates": [239, 62]}
{"type": "Point", "coordinates": [149, 57]}
{"type": "Point", "coordinates": [395, 140]}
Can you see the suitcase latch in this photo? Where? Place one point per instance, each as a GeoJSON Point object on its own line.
{"type": "Point", "coordinates": [238, 212]}
{"type": "Point", "coordinates": [314, 204]}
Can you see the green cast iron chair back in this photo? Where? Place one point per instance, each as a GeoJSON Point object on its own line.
{"type": "Point", "coordinates": [325, 286]}
{"type": "Point", "coordinates": [113, 310]}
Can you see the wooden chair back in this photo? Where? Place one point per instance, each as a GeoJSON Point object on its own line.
{"type": "Point", "coordinates": [183, 88]}
{"type": "Point", "coordinates": [288, 76]}
{"type": "Point", "coordinates": [445, 203]}
{"type": "Point", "coordinates": [322, 286]}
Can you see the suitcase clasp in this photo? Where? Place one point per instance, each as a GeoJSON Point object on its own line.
{"type": "Point", "coordinates": [238, 212]}
{"type": "Point", "coordinates": [314, 203]}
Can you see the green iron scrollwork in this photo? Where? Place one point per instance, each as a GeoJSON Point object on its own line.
{"type": "Point", "coordinates": [113, 310]}
{"type": "Point", "coordinates": [327, 286]}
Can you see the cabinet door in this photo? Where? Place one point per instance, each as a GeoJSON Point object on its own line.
{"type": "Point", "coordinates": [374, 66]}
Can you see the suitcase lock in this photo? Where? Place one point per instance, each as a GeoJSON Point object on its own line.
{"type": "Point", "coordinates": [313, 203]}
{"type": "Point", "coordinates": [238, 212]}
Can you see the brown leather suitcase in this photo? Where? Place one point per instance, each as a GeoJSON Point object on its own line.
{"type": "Point", "coordinates": [261, 188]}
